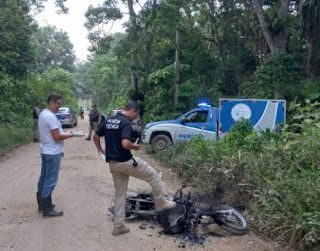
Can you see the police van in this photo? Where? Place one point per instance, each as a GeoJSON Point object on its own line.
{"type": "Point", "coordinates": [212, 122]}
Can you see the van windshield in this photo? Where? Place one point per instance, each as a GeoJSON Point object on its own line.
{"type": "Point", "coordinates": [63, 110]}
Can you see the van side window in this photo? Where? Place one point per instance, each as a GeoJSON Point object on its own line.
{"type": "Point", "coordinates": [198, 116]}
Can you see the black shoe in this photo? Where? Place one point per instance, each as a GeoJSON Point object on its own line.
{"type": "Point", "coordinates": [40, 207]}
{"type": "Point", "coordinates": [48, 210]}
{"type": "Point", "coordinates": [52, 213]}
{"type": "Point", "coordinates": [88, 139]}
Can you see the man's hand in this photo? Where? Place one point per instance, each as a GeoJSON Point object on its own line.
{"type": "Point", "coordinates": [127, 144]}
{"type": "Point", "coordinates": [102, 152]}
{"type": "Point", "coordinates": [60, 136]}
{"type": "Point", "coordinates": [136, 147]}
{"type": "Point", "coordinates": [96, 141]}
{"type": "Point", "coordinates": [102, 155]}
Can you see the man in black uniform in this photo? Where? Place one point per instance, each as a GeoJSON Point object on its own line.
{"type": "Point", "coordinates": [94, 121]}
{"type": "Point", "coordinates": [118, 134]}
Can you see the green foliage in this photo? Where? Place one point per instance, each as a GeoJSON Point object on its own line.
{"type": "Point", "coordinates": [16, 50]}
{"type": "Point", "coordinates": [15, 135]}
{"type": "Point", "coordinates": [239, 133]}
{"type": "Point", "coordinates": [105, 82]}
{"type": "Point", "coordinates": [159, 94]}
{"type": "Point", "coordinates": [15, 99]}
{"type": "Point", "coordinates": [222, 45]}
{"type": "Point", "coordinates": [275, 176]}
{"type": "Point", "coordinates": [302, 116]}
{"type": "Point", "coordinates": [187, 159]}
{"type": "Point", "coordinates": [97, 18]}
{"type": "Point", "coordinates": [310, 89]}
{"type": "Point", "coordinates": [24, 51]}
{"type": "Point", "coordinates": [53, 81]}
{"type": "Point", "coordinates": [18, 97]}
{"type": "Point", "coordinates": [277, 77]}
{"type": "Point", "coordinates": [285, 173]}
{"type": "Point", "coordinates": [54, 49]}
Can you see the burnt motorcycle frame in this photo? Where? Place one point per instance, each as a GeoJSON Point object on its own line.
{"type": "Point", "coordinates": [186, 216]}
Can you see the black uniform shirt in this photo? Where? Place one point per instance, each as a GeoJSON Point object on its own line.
{"type": "Point", "coordinates": [115, 129]}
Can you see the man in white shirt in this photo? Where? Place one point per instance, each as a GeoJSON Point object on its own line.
{"type": "Point", "coordinates": [51, 149]}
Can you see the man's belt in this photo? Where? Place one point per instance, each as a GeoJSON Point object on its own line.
{"type": "Point", "coordinates": [135, 163]}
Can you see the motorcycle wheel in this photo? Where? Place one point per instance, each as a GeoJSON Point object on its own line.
{"type": "Point", "coordinates": [230, 219]}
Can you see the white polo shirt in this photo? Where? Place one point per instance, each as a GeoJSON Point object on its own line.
{"type": "Point", "coordinates": [47, 122]}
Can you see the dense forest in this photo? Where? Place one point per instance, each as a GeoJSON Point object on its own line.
{"type": "Point", "coordinates": [34, 61]}
{"type": "Point", "coordinates": [176, 52]}
{"type": "Point", "coordinates": [172, 54]}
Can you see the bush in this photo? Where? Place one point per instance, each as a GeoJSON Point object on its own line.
{"type": "Point", "coordinates": [14, 135]}
{"type": "Point", "coordinates": [275, 176]}
{"type": "Point", "coordinates": [17, 98]}
{"type": "Point", "coordinates": [277, 77]}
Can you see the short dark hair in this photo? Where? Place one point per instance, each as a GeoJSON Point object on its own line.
{"type": "Point", "coordinates": [132, 106]}
{"type": "Point", "coordinates": [54, 97]}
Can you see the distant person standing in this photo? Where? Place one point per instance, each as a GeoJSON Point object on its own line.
{"type": "Point", "coordinates": [81, 110]}
{"type": "Point", "coordinates": [94, 117]}
{"type": "Point", "coordinates": [51, 148]}
{"type": "Point", "coordinates": [35, 115]}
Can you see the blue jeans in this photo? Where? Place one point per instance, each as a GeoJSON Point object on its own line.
{"type": "Point", "coordinates": [50, 167]}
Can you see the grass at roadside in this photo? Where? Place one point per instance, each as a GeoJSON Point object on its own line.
{"type": "Point", "coordinates": [14, 135]}
{"type": "Point", "coordinates": [274, 176]}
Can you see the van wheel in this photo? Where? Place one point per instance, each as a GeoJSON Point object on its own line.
{"type": "Point", "coordinates": [160, 142]}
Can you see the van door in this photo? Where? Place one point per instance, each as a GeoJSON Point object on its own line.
{"type": "Point", "coordinates": [194, 123]}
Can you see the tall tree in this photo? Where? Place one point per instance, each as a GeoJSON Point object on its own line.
{"type": "Point", "coordinates": [54, 49]}
{"type": "Point", "coordinates": [133, 33]}
{"type": "Point", "coordinates": [310, 19]}
{"type": "Point", "coordinates": [98, 18]}
{"type": "Point", "coordinates": [102, 80]}
{"type": "Point", "coordinates": [16, 50]}
{"type": "Point", "coordinates": [274, 26]}
{"type": "Point", "coordinates": [148, 15]}
{"type": "Point", "coordinates": [109, 11]}
{"type": "Point", "coordinates": [177, 69]}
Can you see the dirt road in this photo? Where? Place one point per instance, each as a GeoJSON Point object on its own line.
{"type": "Point", "coordinates": [84, 192]}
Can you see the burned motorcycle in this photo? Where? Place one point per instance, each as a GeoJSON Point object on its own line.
{"type": "Point", "coordinates": [185, 217]}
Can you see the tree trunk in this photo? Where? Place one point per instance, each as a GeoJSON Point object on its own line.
{"type": "Point", "coordinates": [177, 70]}
{"type": "Point", "coordinates": [133, 43]}
{"type": "Point", "coordinates": [148, 55]}
{"type": "Point", "coordinates": [276, 40]}
{"type": "Point", "coordinates": [310, 60]}
{"type": "Point", "coordinates": [281, 39]}
{"type": "Point", "coordinates": [149, 39]}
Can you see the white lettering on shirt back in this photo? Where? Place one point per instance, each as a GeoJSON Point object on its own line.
{"type": "Point", "coordinates": [113, 124]}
